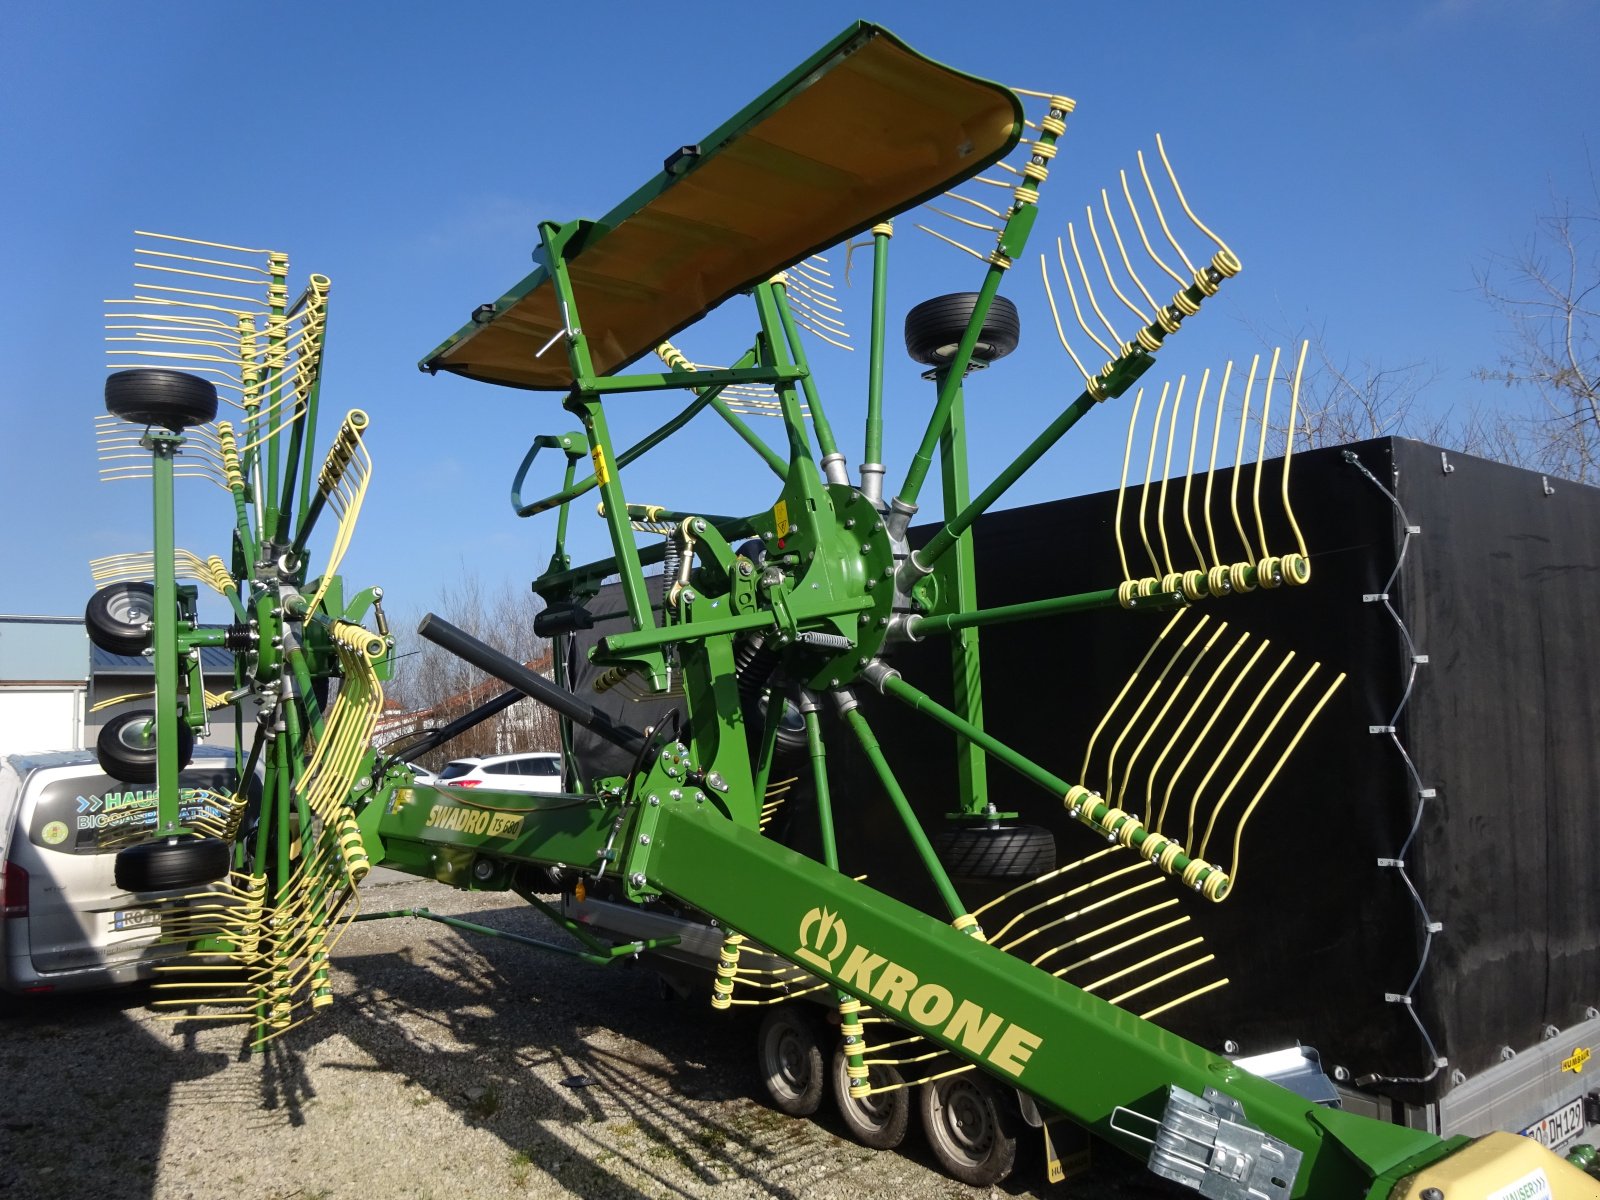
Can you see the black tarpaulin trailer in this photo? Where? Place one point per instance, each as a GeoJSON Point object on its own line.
{"type": "Point", "coordinates": [1446, 992]}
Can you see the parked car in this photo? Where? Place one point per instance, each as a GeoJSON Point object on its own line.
{"type": "Point", "coordinates": [534, 772]}
{"type": "Point", "coordinates": [64, 923]}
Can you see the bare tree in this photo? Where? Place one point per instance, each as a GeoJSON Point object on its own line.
{"type": "Point", "coordinates": [1351, 400]}
{"type": "Point", "coordinates": [1345, 401]}
{"type": "Point", "coordinates": [433, 686]}
{"type": "Point", "coordinates": [1549, 293]}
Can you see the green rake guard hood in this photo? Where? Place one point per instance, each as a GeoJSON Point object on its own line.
{"type": "Point", "coordinates": [862, 130]}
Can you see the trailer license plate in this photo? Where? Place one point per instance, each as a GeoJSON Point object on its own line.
{"type": "Point", "coordinates": [135, 918]}
{"type": "Point", "coordinates": [1560, 1126]}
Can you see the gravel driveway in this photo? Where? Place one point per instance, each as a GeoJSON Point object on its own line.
{"type": "Point", "coordinates": [451, 1066]}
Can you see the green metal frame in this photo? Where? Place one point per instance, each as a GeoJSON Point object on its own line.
{"type": "Point", "coordinates": [834, 591]}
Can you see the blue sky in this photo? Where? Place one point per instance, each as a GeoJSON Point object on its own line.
{"type": "Point", "coordinates": [1361, 158]}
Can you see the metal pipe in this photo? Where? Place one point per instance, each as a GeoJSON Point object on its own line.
{"type": "Point", "coordinates": [949, 383]}
{"type": "Point", "coordinates": [771, 457]}
{"type": "Point", "coordinates": [711, 396]}
{"type": "Point", "coordinates": [891, 684]}
{"type": "Point", "coordinates": [729, 527]}
{"type": "Point", "coordinates": [1089, 810]}
{"type": "Point", "coordinates": [921, 561]}
{"type": "Point", "coordinates": [600, 958]}
{"type": "Point", "coordinates": [819, 779]}
{"type": "Point", "coordinates": [770, 309]}
{"type": "Point", "coordinates": [832, 460]}
{"type": "Point", "coordinates": [164, 644]}
{"type": "Point", "coordinates": [919, 627]}
{"type": "Point", "coordinates": [873, 450]}
{"type": "Point", "coordinates": [486, 658]}
{"type": "Point", "coordinates": [919, 839]}
{"type": "Point", "coordinates": [460, 725]}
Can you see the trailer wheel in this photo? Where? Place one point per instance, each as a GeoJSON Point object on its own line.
{"type": "Point", "coordinates": [997, 852]}
{"type": "Point", "coordinates": [127, 745]}
{"type": "Point", "coordinates": [968, 1128]}
{"type": "Point", "coordinates": [878, 1120]}
{"type": "Point", "coordinates": [934, 329]}
{"type": "Point", "coordinates": [170, 865]}
{"type": "Point", "coordinates": [118, 617]}
{"type": "Point", "coordinates": [789, 1050]}
{"type": "Point", "coordinates": [174, 400]}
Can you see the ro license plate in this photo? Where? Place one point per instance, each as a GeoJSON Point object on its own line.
{"type": "Point", "coordinates": [135, 918]}
{"type": "Point", "coordinates": [1560, 1126]}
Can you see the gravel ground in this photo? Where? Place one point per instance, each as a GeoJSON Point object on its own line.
{"type": "Point", "coordinates": [451, 1065]}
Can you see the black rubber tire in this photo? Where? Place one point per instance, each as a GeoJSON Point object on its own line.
{"type": "Point", "coordinates": [791, 744]}
{"type": "Point", "coordinates": [174, 400]}
{"type": "Point", "coordinates": [754, 663]}
{"type": "Point", "coordinates": [789, 1056]}
{"type": "Point", "coordinates": [169, 865]}
{"type": "Point", "coordinates": [1005, 852]}
{"type": "Point", "coordinates": [126, 746]}
{"type": "Point", "coordinates": [969, 1128]}
{"type": "Point", "coordinates": [934, 329]}
{"type": "Point", "coordinates": [879, 1120]}
{"type": "Point", "coordinates": [118, 617]}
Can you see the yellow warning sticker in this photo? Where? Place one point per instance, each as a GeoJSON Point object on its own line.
{"type": "Point", "coordinates": [780, 518]}
{"type": "Point", "coordinates": [601, 475]}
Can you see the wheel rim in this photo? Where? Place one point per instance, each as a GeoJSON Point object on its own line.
{"type": "Point", "coordinates": [139, 736]}
{"type": "Point", "coordinates": [964, 1122]}
{"type": "Point", "coordinates": [129, 608]}
{"type": "Point", "coordinates": [786, 1051]}
{"type": "Point", "coordinates": [876, 1108]}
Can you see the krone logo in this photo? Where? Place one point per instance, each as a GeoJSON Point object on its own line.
{"type": "Point", "coordinates": [816, 928]}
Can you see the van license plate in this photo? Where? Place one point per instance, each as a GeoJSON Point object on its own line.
{"type": "Point", "coordinates": [135, 918]}
{"type": "Point", "coordinates": [1560, 1126]}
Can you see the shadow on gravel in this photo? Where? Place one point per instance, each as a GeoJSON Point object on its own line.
{"type": "Point", "coordinates": [577, 1069]}
{"type": "Point", "coordinates": [519, 1042]}
{"type": "Point", "coordinates": [91, 1123]}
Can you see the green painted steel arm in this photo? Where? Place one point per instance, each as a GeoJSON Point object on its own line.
{"type": "Point", "coordinates": [1068, 1048]}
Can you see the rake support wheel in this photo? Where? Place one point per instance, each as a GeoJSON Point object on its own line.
{"type": "Point", "coordinates": [174, 400]}
{"type": "Point", "coordinates": [997, 852]}
{"type": "Point", "coordinates": [170, 865]}
{"type": "Point", "coordinates": [934, 329]}
{"type": "Point", "coordinates": [118, 617]}
{"type": "Point", "coordinates": [127, 746]}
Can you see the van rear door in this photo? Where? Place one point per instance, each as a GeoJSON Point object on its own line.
{"type": "Point", "coordinates": [72, 824]}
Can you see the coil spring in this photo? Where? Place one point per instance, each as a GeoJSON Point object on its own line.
{"type": "Point", "coordinates": [352, 850]}
{"type": "Point", "coordinates": [727, 968]}
{"type": "Point", "coordinates": [671, 560]}
{"type": "Point", "coordinates": [854, 1043]}
{"type": "Point", "coordinates": [753, 664]}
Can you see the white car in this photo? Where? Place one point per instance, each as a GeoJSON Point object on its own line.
{"type": "Point", "coordinates": [532, 772]}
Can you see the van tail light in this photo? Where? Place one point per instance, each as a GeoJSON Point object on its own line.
{"type": "Point", "coordinates": [464, 782]}
{"type": "Point", "coordinates": [13, 891]}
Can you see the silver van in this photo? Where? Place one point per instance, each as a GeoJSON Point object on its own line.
{"type": "Point", "coordinates": [64, 923]}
